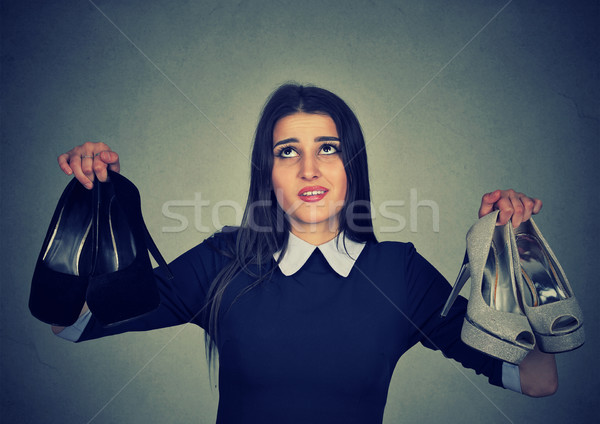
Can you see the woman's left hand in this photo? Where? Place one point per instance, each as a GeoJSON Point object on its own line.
{"type": "Point", "coordinates": [513, 206]}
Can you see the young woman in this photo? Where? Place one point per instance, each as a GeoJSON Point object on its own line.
{"type": "Point", "coordinates": [308, 312]}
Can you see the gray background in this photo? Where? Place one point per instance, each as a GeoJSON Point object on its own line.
{"type": "Point", "coordinates": [453, 104]}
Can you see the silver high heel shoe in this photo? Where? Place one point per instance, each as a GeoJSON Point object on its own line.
{"type": "Point", "coordinates": [549, 302]}
{"type": "Point", "coordinates": [494, 323]}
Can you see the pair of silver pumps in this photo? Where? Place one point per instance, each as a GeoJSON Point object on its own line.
{"type": "Point", "coordinates": [520, 295]}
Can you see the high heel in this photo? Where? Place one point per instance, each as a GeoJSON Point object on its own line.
{"type": "Point", "coordinates": [65, 261]}
{"type": "Point", "coordinates": [122, 285]}
{"type": "Point", "coordinates": [549, 301]}
{"type": "Point", "coordinates": [494, 323]}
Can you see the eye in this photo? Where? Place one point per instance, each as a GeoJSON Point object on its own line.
{"type": "Point", "coordinates": [329, 149]}
{"type": "Point", "coordinates": [287, 152]}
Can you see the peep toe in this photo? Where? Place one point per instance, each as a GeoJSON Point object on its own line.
{"type": "Point", "coordinates": [494, 322]}
{"type": "Point", "coordinates": [549, 301]}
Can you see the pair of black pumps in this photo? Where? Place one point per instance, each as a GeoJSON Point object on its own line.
{"type": "Point", "coordinates": [96, 251]}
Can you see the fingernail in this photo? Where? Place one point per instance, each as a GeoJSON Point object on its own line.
{"type": "Point", "coordinates": [88, 185]}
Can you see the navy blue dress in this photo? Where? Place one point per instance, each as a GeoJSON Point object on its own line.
{"type": "Point", "coordinates": [314, 347]}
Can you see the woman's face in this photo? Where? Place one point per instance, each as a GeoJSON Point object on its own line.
{"type": "Point", "coordinates": [308, 175]}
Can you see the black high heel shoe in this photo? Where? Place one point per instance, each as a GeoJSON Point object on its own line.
{"type": "Point", "coordinates": [122, 285]}
{"type": "Point", "coordinates": [60, 279]}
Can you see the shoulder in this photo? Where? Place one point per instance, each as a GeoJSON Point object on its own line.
{"type": "Point", "coordinates": [219, 247]}
{"type": "Point", "coordinates": [391, 248]}
{"type": "Point", "coordinates": [388, 255]}
{"type": "Point", "coordinates": [401, 255]}
{"type": "Point", "coordinates": [224, 239]}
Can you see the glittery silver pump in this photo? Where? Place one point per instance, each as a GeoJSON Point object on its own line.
{"type": "Point", "coordinates": [548, 299]}
{"type": "Point", "coordinates": [494, 323]}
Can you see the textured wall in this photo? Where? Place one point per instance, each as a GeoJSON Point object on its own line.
{"type": "Point", "coordinates": [455, 98]}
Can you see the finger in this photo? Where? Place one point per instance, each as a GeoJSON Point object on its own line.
{"type": "Point", "coordinates": [528, 204]}
{"type": "Point", "coordinates": [75, 164]}
{"type": "Point", "coordinates": [112, 159]}
{"type": "Point", "coordinates": [518, 210]}
{"type": "Point", "coordinates": [505, 206]}
{"type": "Point", "coordinates": [116, 167]}
{"type": "Point", "coordinates": [487, 202]}
{"type": "Point", "coordinates": [537, 206]}
{"type": "Point", "coordinates": [99, 167]}
{"type": "Point", "coordinates": [87, 162]}
{"type": "Point", "coordinates": [63, 163]}
{"type": "Point", "coordinates": [102, 161]}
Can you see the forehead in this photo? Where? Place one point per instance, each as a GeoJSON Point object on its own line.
{"type": "Point", "coordinates": [304, 125]}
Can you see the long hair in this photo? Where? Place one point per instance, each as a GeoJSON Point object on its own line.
{"type": "Point", "coordinates": [264, 229]}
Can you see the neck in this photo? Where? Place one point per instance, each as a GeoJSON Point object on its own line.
{"type": "Point", "coordinates": [314, 234]}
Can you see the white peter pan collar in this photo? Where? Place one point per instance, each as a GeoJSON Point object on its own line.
{"type": "Point", "coordinates": [298, 251]}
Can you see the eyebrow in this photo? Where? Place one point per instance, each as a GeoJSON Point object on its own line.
{"type": "Point", "coordinates": [317, 140]}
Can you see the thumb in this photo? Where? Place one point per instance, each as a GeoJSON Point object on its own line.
{"type": "Point", "coordinates": [109, 157]}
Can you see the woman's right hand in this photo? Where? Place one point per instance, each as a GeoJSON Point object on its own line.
{"type": "Point", "coordinates": [88, 161]}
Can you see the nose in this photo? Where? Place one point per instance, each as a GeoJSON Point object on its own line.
{"type": "Point", "coordinates": [309, 168]}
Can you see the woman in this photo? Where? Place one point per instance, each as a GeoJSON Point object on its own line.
{"type": "Point", "coordinates": [307, 311]}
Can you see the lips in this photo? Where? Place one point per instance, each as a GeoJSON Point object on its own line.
{"type": "Point", "coordinates": [312, 194]}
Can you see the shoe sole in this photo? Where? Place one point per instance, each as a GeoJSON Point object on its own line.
{"type": "Point", "coordinates": [491, 345]}
{"type": "Point", "coordinates": [561, 343]}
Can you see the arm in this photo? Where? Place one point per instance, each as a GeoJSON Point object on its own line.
{"type": "Point", "coordinates": [182, 295]}
{"type": "Point", "coordinates": [539, 376]}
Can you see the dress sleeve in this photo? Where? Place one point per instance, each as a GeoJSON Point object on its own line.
{"type": "Point", "coordinates": [427, 292]}
{"type": "Point", "coordinates": [182, 298]}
